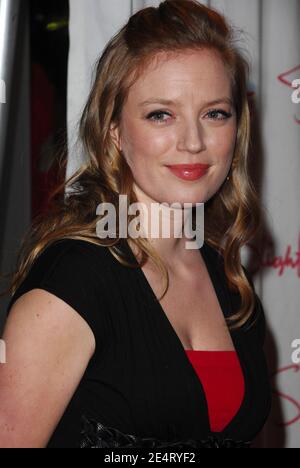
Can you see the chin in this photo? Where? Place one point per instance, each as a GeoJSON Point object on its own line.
{"type": "Point", "coordinates": [183, 200]}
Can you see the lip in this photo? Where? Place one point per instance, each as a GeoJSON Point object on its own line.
{"type": "Point", "coordinates": [189, 171]}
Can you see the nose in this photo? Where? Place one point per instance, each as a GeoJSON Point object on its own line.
{"type": "Point", "coordinates": [192, 137]}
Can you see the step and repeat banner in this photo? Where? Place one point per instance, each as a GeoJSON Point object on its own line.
{"type": "Point", "coordinates": [269, 32]}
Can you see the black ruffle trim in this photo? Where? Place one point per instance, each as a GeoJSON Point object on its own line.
{"type": "Point", "coordinates": [95, 435]}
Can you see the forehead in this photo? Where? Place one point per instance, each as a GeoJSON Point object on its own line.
{"type": "Point", "coordinates": [172, 74]}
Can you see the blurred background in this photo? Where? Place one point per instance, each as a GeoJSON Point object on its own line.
{"type": "Point", "coordinates": [34, 44]}
{"type": "Point", "coordinates": [48, 49]}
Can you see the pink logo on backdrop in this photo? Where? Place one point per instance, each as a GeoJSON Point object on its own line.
{"type": "Point", "coordinates": [287, 79]}
{"type": "Point", "coordinates": [289, 259]}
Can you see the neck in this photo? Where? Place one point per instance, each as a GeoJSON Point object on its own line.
{"type": "Point", "coordinates": [171, 244]}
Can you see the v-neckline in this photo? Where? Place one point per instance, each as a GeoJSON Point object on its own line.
{"type": "Point", "coordinates": [221, 297]}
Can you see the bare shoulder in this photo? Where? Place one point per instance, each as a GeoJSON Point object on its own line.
{"type": "Point", "coordinates": [49, 346]}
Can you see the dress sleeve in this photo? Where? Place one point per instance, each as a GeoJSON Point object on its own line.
{"type": "Point", "coordinates": [66, 269]}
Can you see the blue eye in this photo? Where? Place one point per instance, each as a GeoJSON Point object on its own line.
{"type": "Point", "coordinates": [154, 116]}
{"type": "Point", "coordinates": [215, 112]}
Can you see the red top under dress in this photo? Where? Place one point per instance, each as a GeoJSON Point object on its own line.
{"type": "Point", "coordinates": [223, 382]}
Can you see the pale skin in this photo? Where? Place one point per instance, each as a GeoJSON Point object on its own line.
{"type": "Point", "coordinates": [189, 130]}
{"type": "Point", "coordinates": [185, 132]}
{"type": "Point", "coordinates": [48, 344]}
{"type": "Point", "coordinates": [48, 348]}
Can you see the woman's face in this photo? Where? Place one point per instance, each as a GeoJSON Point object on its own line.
{"type": "Point", "coordinates": [192, 128]}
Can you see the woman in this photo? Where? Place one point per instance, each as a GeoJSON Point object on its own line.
{"type": "Point", "coordinates": [94, 359]}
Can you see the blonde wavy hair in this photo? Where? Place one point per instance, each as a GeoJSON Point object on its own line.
{"type": "Point", "coordinates": [232, 216]}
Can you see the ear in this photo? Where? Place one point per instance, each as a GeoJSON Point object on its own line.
{"type": "Point", "coordinates": [115, 135]}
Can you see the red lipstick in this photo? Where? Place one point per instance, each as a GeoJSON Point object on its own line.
{"type": "Point", "coordinates": [189, 171]}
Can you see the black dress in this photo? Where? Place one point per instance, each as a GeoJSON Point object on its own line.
{"type": "Point", "coordinates": [140, 380]}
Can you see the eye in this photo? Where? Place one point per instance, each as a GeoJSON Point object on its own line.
{"type": "Point", "coordinates": [156, 116]}
{"type": "Point", "coordinates": [219, 114]}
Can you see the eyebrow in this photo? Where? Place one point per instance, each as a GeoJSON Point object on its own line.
{"type": "Point", "coordinates": [169, 102]}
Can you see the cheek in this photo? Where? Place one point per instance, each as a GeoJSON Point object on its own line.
{"type": "Point", "coordinates": [144, 146]}
{"type": "Point", "coordinates": [222, 144]}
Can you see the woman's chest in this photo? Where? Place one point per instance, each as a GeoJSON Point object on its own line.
{"type": "Point", "coordinates": [145, 373]}
{"type": "Point", "coordinates": [193, 310]}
